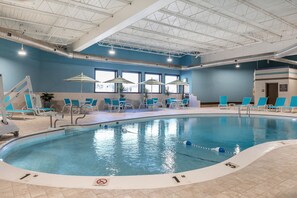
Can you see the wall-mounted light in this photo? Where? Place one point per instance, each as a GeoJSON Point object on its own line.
{"type": "Point", "coordinates": [169, 59]}
{"type": "Point", "coordinates": [237, 64]}
{"type": "Point", "coordinates": [22, 52]}
{"type": "Point", "coordinates": [111, 51]}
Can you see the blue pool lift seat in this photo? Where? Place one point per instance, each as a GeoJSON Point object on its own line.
{"type": "Point", "coordinates": [10, 109]}
{"type": "Point", "coordinates": [279, 104]}
{"type": "Point", "coordinates": [223, 103]}
{"type": "Point", "coordinates": [262, 103]}
{"type": "Point", "coordinates": [293, 104]}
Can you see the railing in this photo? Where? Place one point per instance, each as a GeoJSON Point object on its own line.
{"type": "Point", "coordinates": [248, 110]}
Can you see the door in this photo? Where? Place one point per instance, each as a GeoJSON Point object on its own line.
{"type": "Point", "coordinates": [271, 92]}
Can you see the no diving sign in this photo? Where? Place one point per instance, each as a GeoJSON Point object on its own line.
{"type": "Point", "coordinates": [101, 182]}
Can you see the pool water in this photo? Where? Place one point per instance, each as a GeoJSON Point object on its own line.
{"type": "Point", "coordinates": [147, 147]}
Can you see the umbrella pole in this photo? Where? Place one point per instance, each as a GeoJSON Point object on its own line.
{"type": "Point", "coordinates": [81, 87]}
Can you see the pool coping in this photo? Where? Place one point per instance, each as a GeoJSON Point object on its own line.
{"type": "Point", "coordinates": [240, 161]}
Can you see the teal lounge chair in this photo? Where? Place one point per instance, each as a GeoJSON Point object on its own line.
{"type": "Point", "coordinates": [10, 109]}
{"type": "Point", "coordinates": [223, 102]}
{"type": "Point", "coordinates": [150, 103]}
{"type": "Point", "coordinates": [67, 104]}
{"type": "Point", "coordinates": [107, 102]}
{"type": "Point", "coordinates": [262, 103]}
{"type": "Point", "coordinates": [31, 106]}
{"type": "Point", "coordinates": [279, 104]}
{"type": "Point", "coordinates": [246, 101]}
{"type": "Point", "coordinates": [184, 103]}
{"type": "Point", "coordinates": [293, 104]}
{"type": "Point", "coordinates": [92, 106]}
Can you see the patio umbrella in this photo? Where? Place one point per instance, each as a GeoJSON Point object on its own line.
{"type": "Point", "coordinates": [151, 82]}
{"type": "Point", "coordinates": [82, 79]}
{"type": "Point", "coordinates": [119, 80]}
{"type": "Point", "coordinates": [178, 82]}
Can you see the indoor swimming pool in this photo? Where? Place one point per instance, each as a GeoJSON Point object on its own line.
{"type": "Point", "coordinates": [146, 147]}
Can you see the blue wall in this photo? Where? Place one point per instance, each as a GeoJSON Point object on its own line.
{"type": "Point", "coordinates": [54, 69]}
{"type": "Point", "coordinates": [48, 70]}
{"type": "Point", "coordinates": [209, 83]}
{"type": "Point", "coordinates": [14, 67]}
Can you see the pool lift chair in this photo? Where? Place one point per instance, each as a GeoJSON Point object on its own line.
{"type": "Point", "coordinates": [6, 125]}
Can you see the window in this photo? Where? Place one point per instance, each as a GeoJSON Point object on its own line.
{"type": "Point", "coordinates": [133, 77]}
{"type": "Point", "coordinates": [171, 88]}
{"type": "Point", "coordinates": [102, 76]}
{"type": "Point", "coordinates": [153, 88]}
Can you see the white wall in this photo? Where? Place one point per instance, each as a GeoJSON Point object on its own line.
{"type": "Point", "coordinates": [280, 76]}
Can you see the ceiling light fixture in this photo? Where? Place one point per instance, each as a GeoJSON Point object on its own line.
{"type": "Point", "coordinates": [237, 64]}
{"type": "Point", "coordinates": [22, 52]}
{"type": "Point", "coordinates": [169, 59]}
{"type": "Point", "coordinates": [111, 51]}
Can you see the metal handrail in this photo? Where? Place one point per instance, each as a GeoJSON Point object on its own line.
{"type": "Point", "coordinates": [248, 110]}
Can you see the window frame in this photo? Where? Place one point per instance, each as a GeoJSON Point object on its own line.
{"type": "Point", "coordinates": [178, 86]}
{"type": "Point", "coordinates": [115, 75]}
{"type": "Point", "coordinates": [160, 79]}
{"type": "Point", "coordinates": [139, 80]}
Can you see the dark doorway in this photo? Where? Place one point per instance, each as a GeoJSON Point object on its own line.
{"type": "Point", "coordinates": [271, 92]}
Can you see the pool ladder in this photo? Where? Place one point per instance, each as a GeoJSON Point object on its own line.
{"type": "Point", "coordinates": [248, 110]}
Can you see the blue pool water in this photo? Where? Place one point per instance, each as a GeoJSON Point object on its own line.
{"type": "Point", "coordinates": [147, 147]}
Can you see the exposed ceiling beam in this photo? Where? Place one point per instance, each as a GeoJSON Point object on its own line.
{"type": "Point", "coordinates": [132, 48]}
{"type": "Point", "coordinates": [30, 10]}
{"type": "Point", "coordinates": [177, 37]}
{"type": "Point", "coordinates": [82, 6]}
{"type": "Point", "coordinates": [267, 13]}
{"type": "Point", "coordinates": [137, 10]}
{"type": "Point", "coordinates": [40, 24]}
{"type": "Point", "coordinates": [232, 16]}
{"type": "Point", "coordinates": [194, 48]}
{"type": "Point", "coordinates": [141, 45]}
{"type": "Point", "coordinates": [125, 1]}
{"type": "Point", "coordinates": [284, 60]}
{"type": "Point", "coordinates": [197, 21]}
{"type": "Point", "coordinates": [191, 31]}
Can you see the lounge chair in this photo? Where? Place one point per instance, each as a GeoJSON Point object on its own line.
{"type": "Point", "coordinates": [293, 104]}
{"type": "Point", "coordinates": [245, 102]}
{"type": "Point", "coordinates": [223, 102]}
{"type": "Point", "coordinates": [107, 102]}
{"type": "Point", "coordinates": [92, 106]}
{"type": "Point", "coordinates": [67, 104]}
{"type": "Point", "coordinates": [75, 104]}
{"type": "Point", "coordinates": [262, 103]}
{"type": "Point", "coordinates": [279, 104]}
{"type": "Point", "coordinates": [30, 105]}
{"type": "Point", "coordinates": [150, 104]}
{"type": "Point", "coordinates": [157, 103]}
{"type": "Point", "coordinates": [10, 109]}
{"type": "Point", "coordinates": [184, 102]}
{"type": "Point", "coordinates": [116, 104]}
{"type": "Point", "coordinates": [89, 101]}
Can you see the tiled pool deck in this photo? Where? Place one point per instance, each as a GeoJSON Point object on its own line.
{"type": "Point", "coordinates": [273, 175]}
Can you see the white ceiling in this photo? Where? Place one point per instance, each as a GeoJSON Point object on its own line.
{"type": "Point", "coordinates": [180, 27]}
